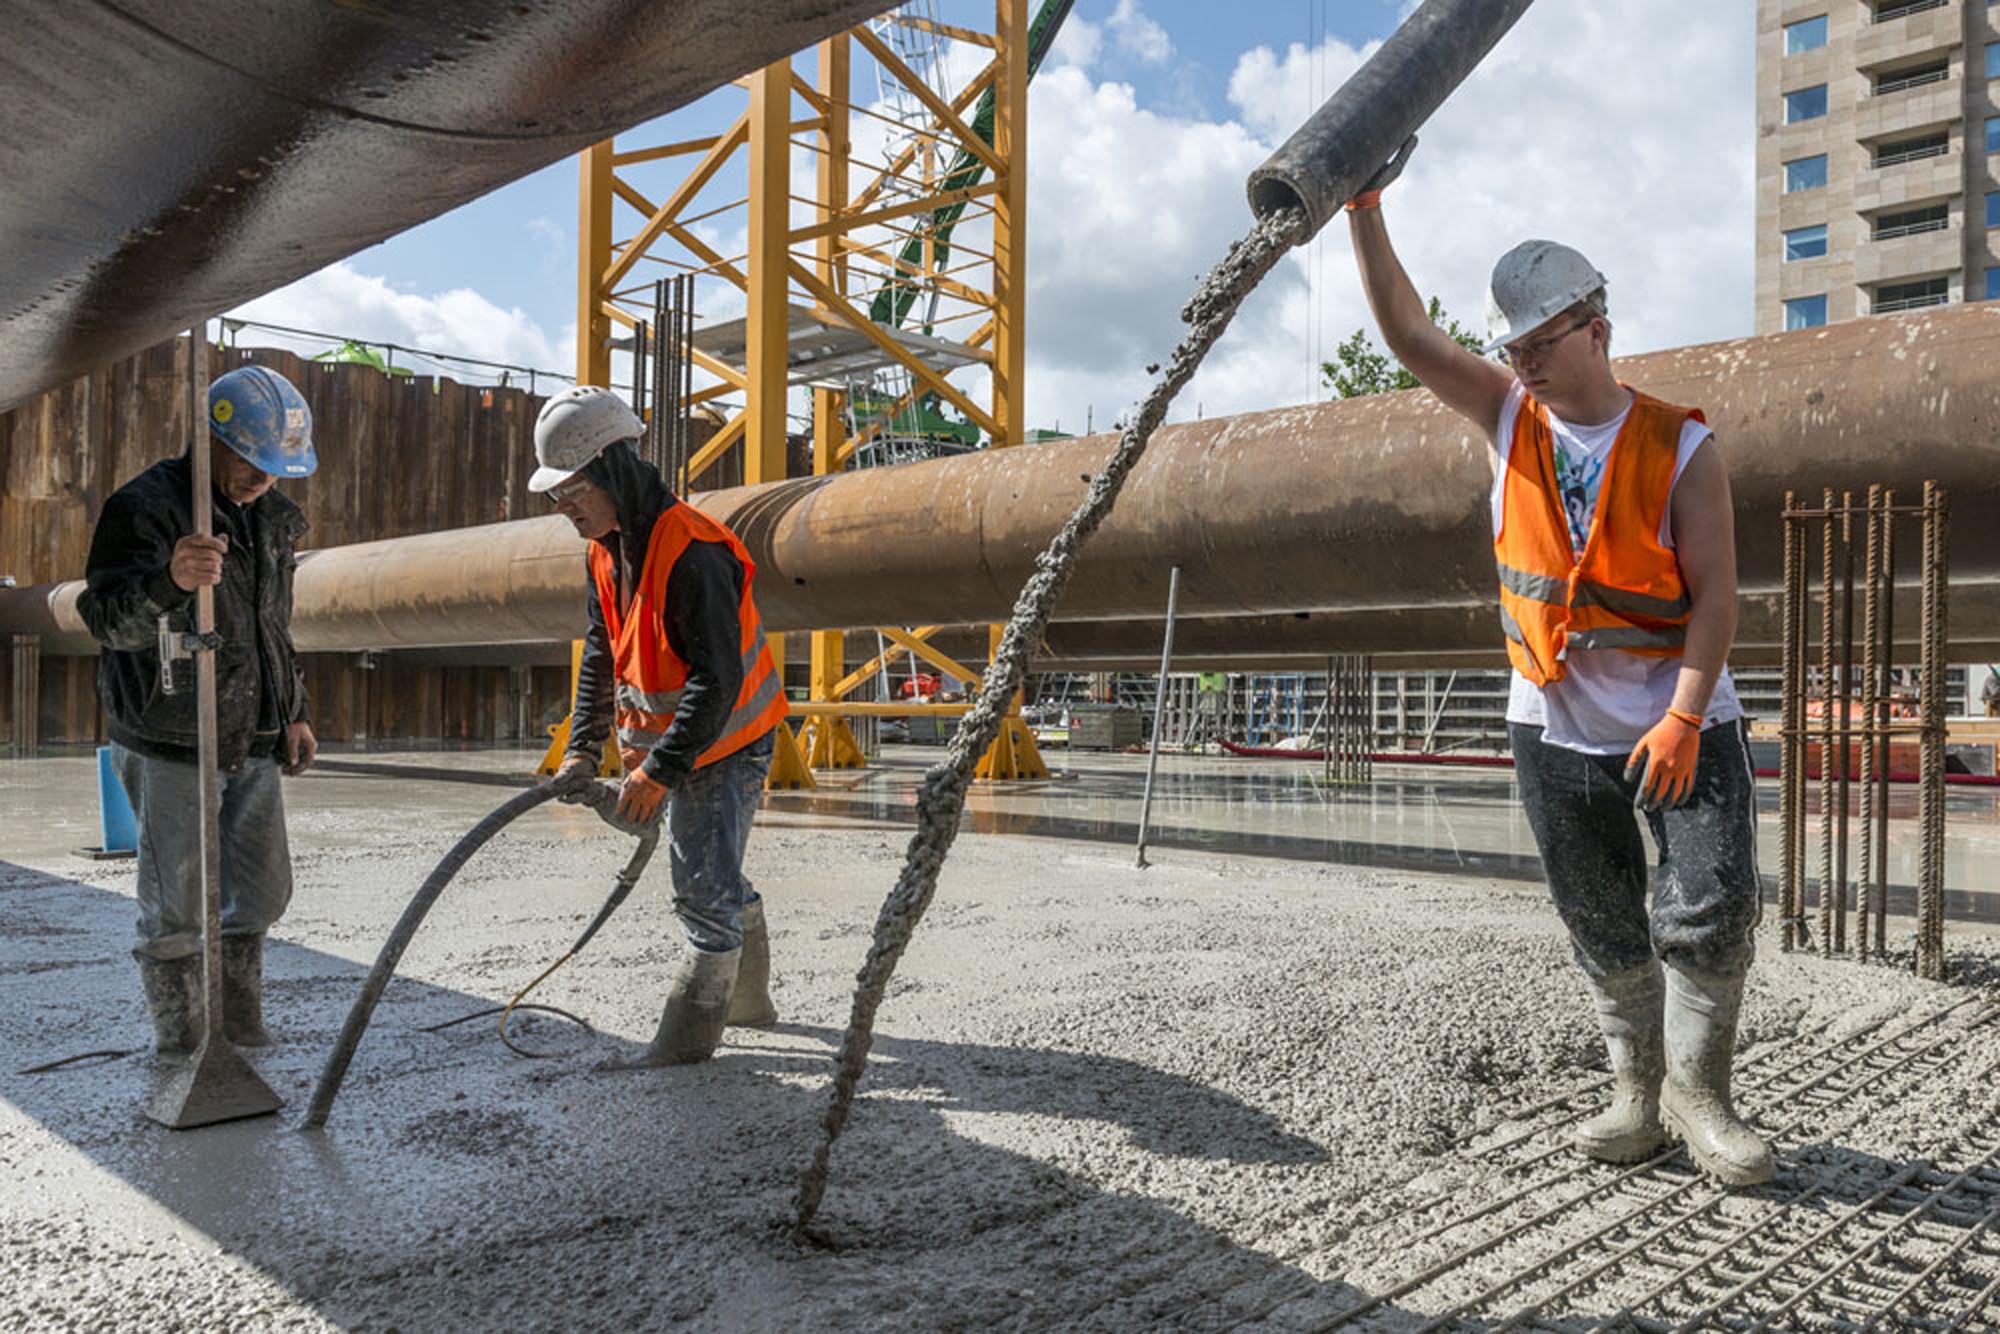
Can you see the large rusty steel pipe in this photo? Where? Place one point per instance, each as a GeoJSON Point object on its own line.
{"type": "Point", "coordinates": [1365, 506]}
{"type": "Point", "coordinates": [165, 161]}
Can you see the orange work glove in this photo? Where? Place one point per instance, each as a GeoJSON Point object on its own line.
{"type": "Point", "coordinates": [640, 798]}
{"type": "Point", "coordinates": [1664, 761]}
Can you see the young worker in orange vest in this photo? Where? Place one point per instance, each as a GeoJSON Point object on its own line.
{"type": "Point", "coordinates": [1614, 537]}
{"type": "Point", "coordinates": [676, 648]}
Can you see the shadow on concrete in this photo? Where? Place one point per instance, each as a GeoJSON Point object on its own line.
{"type": "Point", "coordinates": [457, 1186]}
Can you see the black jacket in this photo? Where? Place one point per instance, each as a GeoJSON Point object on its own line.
{"type": "Point", "coordinates": [703, 619]}
{"type": "Point", "coordinates": [259, 685]}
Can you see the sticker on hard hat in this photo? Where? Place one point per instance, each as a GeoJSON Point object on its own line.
{"type": "Point", "coordinates": [223, 409]}
{"type": "Point", "coordinates": [295, 419]}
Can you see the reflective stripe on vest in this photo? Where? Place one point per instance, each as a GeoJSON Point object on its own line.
{"type": "Point", "coordinates": [650, 675]}
{"type": "Point", "coordinates": [1624, 591]}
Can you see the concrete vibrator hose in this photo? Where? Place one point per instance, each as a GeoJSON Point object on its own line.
{"type": "Point", "coordinates": [600, 797]}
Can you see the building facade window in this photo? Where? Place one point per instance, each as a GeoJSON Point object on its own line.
{"type": "Point", "coordinates": [1885, 10]}
{"type": "Point", "coordinates": [1993, 284]}
{"type": "Point", "coordinates": [1911, 296]}
{"type": "Point", "coordinates": [1805, 104]}
{"type": "Point", "coordinates": [1805, 35]}
{"type": "Point", "coordinates": [1805, 242]}
{"type": "Point", "coordinates": [1993, 208]}
{"type": "Point", "coordinates": [1993, 60]}
{"type": "Point", "coordinates": [1912, 150]}
{"type": "Point", "coordinates": [1896, 81]}
{"type": "Point", "coordinates": [1805, 312]}
{"type": "Point", "coordinates": [1910, 222]}
{"type": "Point", "coordinates": [1806, 173]}
{"type": "Point", "coordinates": [1993, 134]}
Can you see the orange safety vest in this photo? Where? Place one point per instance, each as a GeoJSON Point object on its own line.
{"type": "Point", "coordinates": [650, 674]}
{"type": "Point", "coordinates": [1625, 591]}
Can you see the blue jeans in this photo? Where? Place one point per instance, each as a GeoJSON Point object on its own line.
{"type": "Point", "coordinates": [1705, 892]}
{"type": "Point", "coordinates": [256, 860]}
{"type": "Point", "coordinates": [708, 828]}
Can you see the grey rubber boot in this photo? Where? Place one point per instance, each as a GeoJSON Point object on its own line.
{"type": "Point", "coordinates": [243, 991]}
{"type": "Point", "coordinates": [697, 1008]}
{"type": "Point", "coordinates": [1629, 1010]}
{"type": "Point", "coordinates": [1701, 1014]}
{"type": "Point", "coordinates": [173, 997]}
{"type": "Point", "coordinates": [751, 1006]}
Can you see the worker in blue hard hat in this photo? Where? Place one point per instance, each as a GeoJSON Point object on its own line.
{"type": "Point", "coordinates": [146, 562]}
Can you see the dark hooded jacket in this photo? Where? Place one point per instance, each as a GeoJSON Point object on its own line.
{"type": "Point", "coordinates": [702, 617]}
{"type": "Point", "coordinates": [259, 686]}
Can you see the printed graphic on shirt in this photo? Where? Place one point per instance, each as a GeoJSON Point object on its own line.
{"type": "Point", "coordinates": [1579, 479]}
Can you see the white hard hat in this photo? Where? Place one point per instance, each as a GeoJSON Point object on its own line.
{"type": "Point", "coordinates": [1532, 284]}
{"type": "Point", "coordinates": [576, 426]}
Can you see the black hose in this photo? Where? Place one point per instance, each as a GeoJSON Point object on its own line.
{"type": "Point", "coordinates": [598, 796]}
{"type": "Point", "coordinates": [1326, 161]}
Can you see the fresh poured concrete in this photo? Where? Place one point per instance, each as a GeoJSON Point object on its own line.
{"type": "Point", "coordinates": [1101, 1097]}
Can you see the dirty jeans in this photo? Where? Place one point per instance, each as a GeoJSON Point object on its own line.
{"type": "Point", "coordinates": [256, 861]}
{"type": "Point", "coordinates": [1704, 888]}
{"type": "Point", "coordinates": [708, 827]}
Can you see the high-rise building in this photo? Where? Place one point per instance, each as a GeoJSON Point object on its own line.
{"type": "Point", "coordinates": [1878, 157]}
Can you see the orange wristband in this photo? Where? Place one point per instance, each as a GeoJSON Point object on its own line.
{"type": "Point", "coordinates": [1366, 199]}
{"type": "Point", "coordinates": [1691, 719]}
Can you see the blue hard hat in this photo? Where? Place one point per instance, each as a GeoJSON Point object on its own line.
{"type": "Point", "coordinates": [259, 414]}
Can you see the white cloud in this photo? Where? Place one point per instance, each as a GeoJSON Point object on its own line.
{"type": "Point", "coordinates": [342, 300]}
{"type": "Point", "coordinates": [1137, 35]}
{"type": "Point", "coordinates": [1079, 42]}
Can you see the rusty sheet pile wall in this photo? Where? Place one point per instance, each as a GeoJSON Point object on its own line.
{"type": "Point", "coordinates": [397, 456]}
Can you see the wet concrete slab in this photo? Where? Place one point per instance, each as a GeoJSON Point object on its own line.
{"type": "Point", "coordinates": [1101, 1096]}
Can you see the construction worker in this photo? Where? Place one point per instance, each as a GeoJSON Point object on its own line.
{"type": "Point", "coordinates": [675, 647]}
{"type": "Point", "coordinates": [145, 564]}
{"type": "Point", "coordinates": [1614, 537]}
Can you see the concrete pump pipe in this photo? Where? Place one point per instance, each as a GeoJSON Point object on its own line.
{"type": "Point", "coordinates": [1369, 505]}
{"type": "Point", "coordinates": [1329, 158]}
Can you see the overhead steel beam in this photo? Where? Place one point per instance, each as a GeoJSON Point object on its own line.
{"type": "Point", "coordinates": [1375, 508]}
{"type": "Point", "coordinates": [166, 161]}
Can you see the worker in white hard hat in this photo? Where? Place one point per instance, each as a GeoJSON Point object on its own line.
{"type": "Point", "coordinates": [675, 654]}
{"type": "Point", "coordinates": [1614, 537]}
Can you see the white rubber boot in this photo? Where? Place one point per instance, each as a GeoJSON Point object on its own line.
{"type": "Point", "coordinates": [696, 1010]}
{"type": "Point", "coordinates": [1629, 1010]}
{"type": "Point", "coordinates": [1701, 1015]}
{"type": "Point", "coordinates": [751, 1005]}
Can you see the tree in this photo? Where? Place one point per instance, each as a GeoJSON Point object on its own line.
{"type": "Point", "coordinates": [1358, 367]}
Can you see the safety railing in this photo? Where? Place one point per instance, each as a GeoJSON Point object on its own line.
{"type": "Point", "coordinates": [1890, 233]}
{"type": "Point", "coordinates": [1904, 8]}
{"type": "Point", "coordinates": [1911, 303]}
{"type": "Point", "coordinates": [1896, 83]}
{"type": "Point", "coordinates": [1912, 152]}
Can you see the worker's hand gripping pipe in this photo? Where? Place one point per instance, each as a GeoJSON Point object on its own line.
{"type": "Point", "coordinates": [1331, 157]}
{"type": "Point", "coordinates": [600, 797]}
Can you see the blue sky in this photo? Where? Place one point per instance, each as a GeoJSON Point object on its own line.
{"type": "Point", "coordinates": [1142, 127]}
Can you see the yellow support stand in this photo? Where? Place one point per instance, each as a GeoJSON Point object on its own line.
{"type": "Point", "coordinates": [788, 765]}
{"type": "Point", "coordinates": [1012, 755]}
{"type": "Point", "coordinates": [612, 765]}
{"type": "Point", "coordinates": [830, 744]}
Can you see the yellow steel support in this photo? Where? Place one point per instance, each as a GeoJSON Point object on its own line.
{"type": "Point", "coordinates": [788, 764]}
{"type": "Point", "coordinates": [1013, 753]}
{"type": "Point", "coordinates": [770, 222]}
{"type": "Point", "coordinates": [834, 260]}
{"type": "Point", "coordinates": [1010, 222]}
{"type": "Point", "coordinates": [612, 765]}
{"type": "Point", "coordinates": [593, 230]}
